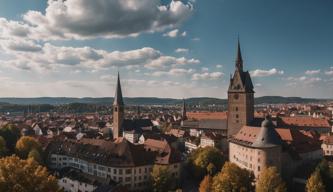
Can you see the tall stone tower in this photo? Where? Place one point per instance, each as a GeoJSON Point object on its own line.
{"type": "Point", "coordinates": [118, 111]}
{"type": "Point", "coordinates": [240, 97]}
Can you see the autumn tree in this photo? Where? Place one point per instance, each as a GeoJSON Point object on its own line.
{"type": "Point", "coordinates": [35, 155]}
{"type": "Point", "coordinates": [161, 179]}
{"type": "Point", "coordinates": [19, 175]}
{"type": "Point", "coordinates": [326, 174]}
{"type": "Point", "coordinates": [206, 183]}
{"type": "Point", "coordinates": [25, 144]}
{"type": "Point", "coordinates": [270, 181]}
{"type": "Point", "coordinates": [205, 161]}
{"type": "Point", "coordinates": [233, 179]}
{"type": "Point", "coordinates": [315, 183]}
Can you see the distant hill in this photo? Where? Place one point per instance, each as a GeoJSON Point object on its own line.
{"type": "Point", "coordinates": [204, 101]}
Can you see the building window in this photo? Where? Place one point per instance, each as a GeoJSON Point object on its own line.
{"type": "Point", "coordinates": [258, 168]}
{"type": "Point", "coordinates": [237, 116]}
{"type": "Point", "coordinates": [128, 171]}
{"type": "Point", "coordinates": [236, 108]}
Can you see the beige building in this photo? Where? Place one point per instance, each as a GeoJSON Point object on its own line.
{"type": "Point", "coordinates": [327, 145]}
{"type": "Point", "coordinates": [119, 160]}
{"type": "Point", "coordinates": [256, 148]}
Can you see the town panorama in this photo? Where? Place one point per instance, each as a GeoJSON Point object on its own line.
{"type": "Point", "coordinates": [136, 96]}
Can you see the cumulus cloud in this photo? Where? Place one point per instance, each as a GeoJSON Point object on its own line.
{"type": "Point", "coordinates": [312, 72]}
{"type": "Point", "coordinates": [266, 73]}
{"type": "Point", "coordinates": [105, 18]}
{"type": "Point", "coordinates": [174, 33]}
{"type": "Point", "coordinates": [84, 19]}
{"type": "Point", "coordinates": [303, 80]}
{"type": "Point", "coordinates": [207, 76]}
{"type": "Point", "coordinates": [329, 72]}
{"type": "Point", "coordinates": [48, 57]}
{"type": "Point", "coordinates": [167, 61]}
{"type": "Point", "coordinates": [181, 50]}
{"type": "Point", "coordinates": [219, 66]}
{"type": "Point", "coordinates": [173, 72]}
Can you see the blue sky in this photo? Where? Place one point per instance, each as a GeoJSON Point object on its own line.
{"type": "Point", "coordinates": [164, 49]}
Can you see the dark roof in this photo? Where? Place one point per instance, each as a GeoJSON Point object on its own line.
{"type": "Point", "coordinates": [239, 59]}
{"type": "Point", "coordinates": [118, 153]}
{"type": "Point", "coordinates": [217, 124]}
{"type": "Point", "coordinates": [136, 125]}
{"type": "Point", "coordinates": [118, 98]}
{"type": "Point", "coordinates": [267, 137]}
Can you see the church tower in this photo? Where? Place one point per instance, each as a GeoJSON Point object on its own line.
{"type": "Point", "coordinates": [184, 116]}
{"type": "Point", "coordinates": [118, 111]}
{"type": "Point", "coordinates": [240, 97]}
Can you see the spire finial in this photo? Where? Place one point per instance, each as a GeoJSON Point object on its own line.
{"type": "Point", "coordinates": [239, 59]}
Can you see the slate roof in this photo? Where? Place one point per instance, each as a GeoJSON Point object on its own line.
{"type": "Point", "coordinates": [136, 125]}
{"type": "Point", "coordinates": [118, 153]}
{"type": "Point", "coordinates": [214, 124]}
{"type": "Point", "coordinates": [267, 137]}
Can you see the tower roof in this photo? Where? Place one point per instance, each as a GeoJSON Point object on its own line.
{"type": "Point", "coordinates": [267, 137]}
{"type": "Point", "coordinates": [239, 59]}
{"type": "Point", "coordinates": [118, 98]}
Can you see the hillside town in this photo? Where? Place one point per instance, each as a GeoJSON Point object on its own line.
{"type": "Point", "coordinates": [130, 147]}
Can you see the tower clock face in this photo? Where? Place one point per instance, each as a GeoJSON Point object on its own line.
{"type": "Point", "coordinates": [236, 96]}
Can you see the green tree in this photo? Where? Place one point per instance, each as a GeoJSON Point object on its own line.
{"type": "Point", "coordinates": [19, 175]}
{"type": "Point", "coordinates": [25, 144]}
{"type": "Point", "coordinates": [3, 147]}
{"type": "Point", "coordinates": [270, 181]}
{"type": "Point", "coordinates": [35, 155]}
{"type": "Point", "coordinates": [233, 179]}
{"type": "Point", "coordinates": [161, 179]}
{"type": "Point", "coordinates": [11, 134]}
{"type": "Point", "coordinates": [326, 174]}
{"type": "Point", "coordinates": [206, 183]}
{"type": "Point", "coordinates": [315, 183]}
{"type": "Point", "coordinates": [205, 161]}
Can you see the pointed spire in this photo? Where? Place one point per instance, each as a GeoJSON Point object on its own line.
{"type": "Point", "coordinates": [118, 98]}
{"type": "Point", "coordinates": [184, 117]}
{"type": "Point", "coordinates": [239, 59]}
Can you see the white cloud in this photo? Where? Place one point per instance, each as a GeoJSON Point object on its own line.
{"type": "Point", "coordinates": [82, 19]}
{"type": "Point", "coordinates": [171, 34]}
{"type": "Point", "coordinates": [266, 73]}
{"type": "Point", "coordinates": [49, 57]}
{"type": "Point", "coordinates": [303, 80]}
{"type": "Point", "coordinates": [181, 50]}
{"type": "Point", "coordinates": [207, 76]}
{"type": "Point", "coordinates": [204, 69]}
{"type": "Point", "coordinates": [167, 61]}
{"type": "Point", "coordinates": [219, 66]}
{"type": "Point", "coordinates": [175, 33]}
{"type": "Point", "coordinates": [312, 72]}
{"type": "Point", "coordinates": [196, 39]}
{"type": "Point", "coordinates": [329, 72]}
{"type": "Point", "coordinates": [258, 85]}
{"type": "Point", "coordinates": [172, 72]}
